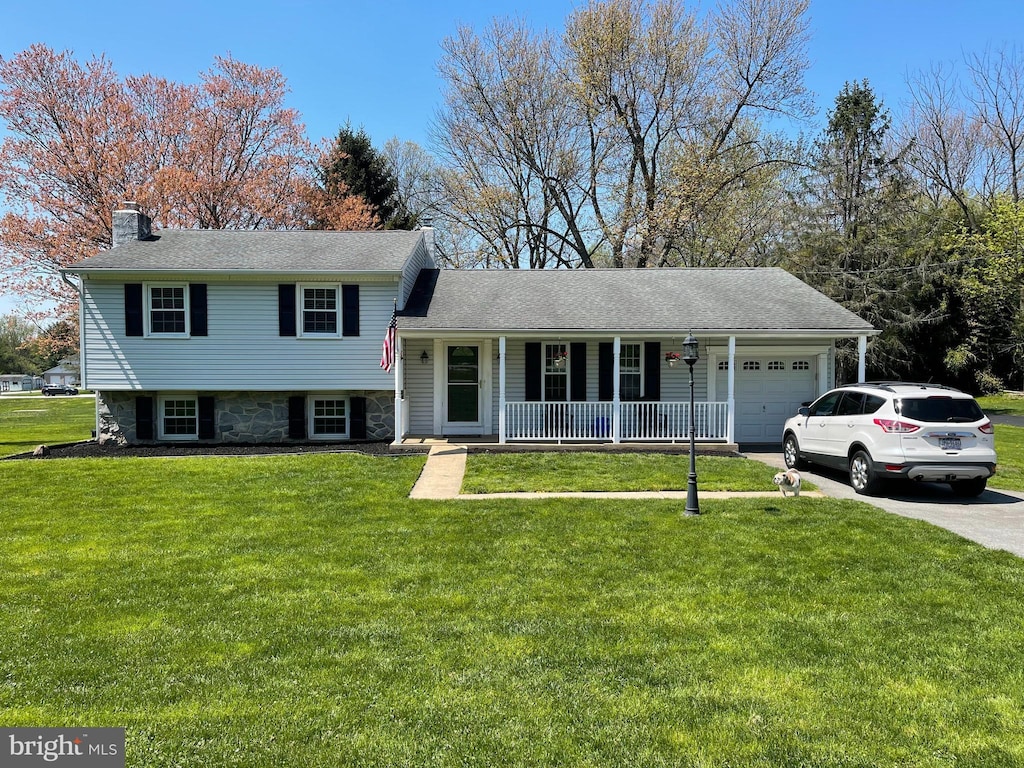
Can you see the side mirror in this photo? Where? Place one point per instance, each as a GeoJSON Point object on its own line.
{"type": "Point", "coordinates": [804, 411]}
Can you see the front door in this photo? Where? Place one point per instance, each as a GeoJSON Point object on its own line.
{"type": "Point", "coordinates": [464, 389]}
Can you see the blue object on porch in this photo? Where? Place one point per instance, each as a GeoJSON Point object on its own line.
{"type": "Point", "coordinates": [602, 427]}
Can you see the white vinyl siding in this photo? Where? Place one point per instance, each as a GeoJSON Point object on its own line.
{"type": "Point", "coordinates": [419, 260]}
{"type": "Point", "coordinates": [419, 385]}
{"type": "Point", "coordinates": [243, 350]}
{"type": "Point", "coordinates": [675, 382]}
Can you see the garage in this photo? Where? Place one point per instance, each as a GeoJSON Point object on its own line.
{"type": "Point", "coordinates": [769, 389]}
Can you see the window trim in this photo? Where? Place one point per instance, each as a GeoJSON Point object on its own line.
{"type": "Point", "coordinates": [311, 399]}
{"type": "Point", "coordinates": [147, 313]}
{"type": "Point", "coordinates": [564, 371]}
{"type": "Point", "coordinates": [161, 413]}
{"type": "Point", "coordinates": [641, 368]}
{"type": "Point", "coordinates": [300, 311]}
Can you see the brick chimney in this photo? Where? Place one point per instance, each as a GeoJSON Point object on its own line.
{"type": "Point", "coordinates": [130, 223]}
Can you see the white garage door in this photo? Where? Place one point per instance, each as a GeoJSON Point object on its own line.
{"type": "Point", "coordinates": [769, 389]}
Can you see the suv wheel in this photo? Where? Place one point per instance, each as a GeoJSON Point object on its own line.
{"type": "Point", "coordinates": [969, 488]}
{"type": "Point", "coordinates": [791, 453]}
{"type": "Point", "coordinates": [862, 476]}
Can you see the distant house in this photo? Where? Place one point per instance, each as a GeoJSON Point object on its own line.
{"type": "Point", "coordinates": [234, 336]}
{"type": "Point", "coordinates": [17, 382]}
{"type": "Point", "coordinates": [65, 372]}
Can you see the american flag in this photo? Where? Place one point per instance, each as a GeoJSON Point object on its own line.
{"type": "Point", "coordinates": [387, 356]}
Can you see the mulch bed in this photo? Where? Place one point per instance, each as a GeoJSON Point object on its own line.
{"type": "Point", "coordinates": [92, 449]}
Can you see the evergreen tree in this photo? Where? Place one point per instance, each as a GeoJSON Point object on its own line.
{"type": "Point", "coordinates": [854, 242]}
{"type": "Point", "coordinates": [353, 167]}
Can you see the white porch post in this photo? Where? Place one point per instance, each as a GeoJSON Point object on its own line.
{"type": "Point", "coordinates": [862, 355]}
{"type": "Point", "coordinates": [616, 405]}
{"type": "Point", "coordinates": [730, 429]}
{"type": "Point", "coordinates": [399, 378]}
{"type": "Point", "coordinates": [501, 389]}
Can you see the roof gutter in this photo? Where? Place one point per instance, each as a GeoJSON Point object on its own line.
{"type": "Point", "coordinates": [119, 272]}
{"type": "Point", "coordinates": [760, 333]}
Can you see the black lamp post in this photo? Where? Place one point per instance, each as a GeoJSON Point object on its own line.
{"type": "Point", "coordinates": [690, 356]}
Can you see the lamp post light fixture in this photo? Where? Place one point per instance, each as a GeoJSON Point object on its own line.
{"type": "Point", "coordinates": [691, 355]}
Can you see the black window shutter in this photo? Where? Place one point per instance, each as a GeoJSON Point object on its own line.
{"type": "Point", "coordinates": [133, 309]}
{"type": "Point", "coordinates": [357, 421]}
{"type": "Point", "coordinates": [605, 371]}
{"type": "Point", "coordinates": [207, 419]}
{"type": "Point", "coordinates": [297, 417]}
{"type": "Point", "coordinates": [144, 418]}
{"type": "Point", "coordinates": [350, 310]}
{"type": "Point", "coordinates": [652, 370]}
{"type": "Point", "coordinates": [286, 311]}
{"type": "Point", "coordinates": [578, 371]}
{"type": "Point", "coordinates": [532, 371]}
{"type": "Point", "coordinates": [197, 309]}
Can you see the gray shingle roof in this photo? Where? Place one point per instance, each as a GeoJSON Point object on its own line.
{"type": "Point", "coordinates": [766, 299]}
{"type": "Point", "coordinates": [190, 250]}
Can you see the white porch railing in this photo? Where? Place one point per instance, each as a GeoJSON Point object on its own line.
{"type": "Point", "coordinates": [671, 421]}
{"type": "Point", "coordinates": [663, 422]}
{"type": "Point", "coordinates": [558, 421]}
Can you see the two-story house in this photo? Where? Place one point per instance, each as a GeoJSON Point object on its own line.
{"type": "Point", "coordinates": [242, 336]}
{"type": "Point", "coordinates": [265, 336]}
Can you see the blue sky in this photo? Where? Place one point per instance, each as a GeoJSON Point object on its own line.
{"type": "Point", "coordinates": [374, 63]}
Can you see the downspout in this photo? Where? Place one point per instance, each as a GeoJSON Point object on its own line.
{"type": "Point", "coordinates": [84, 382]}
{"type": "Point", "coordinates": [862, 355]}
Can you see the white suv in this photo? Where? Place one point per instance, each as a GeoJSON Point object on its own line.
{"type": "Point", "coordinates": [895, 430]}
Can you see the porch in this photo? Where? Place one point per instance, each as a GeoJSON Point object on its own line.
{"type": "Point", "coordinates": [592, 390]}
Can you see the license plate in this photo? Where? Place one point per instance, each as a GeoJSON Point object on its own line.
{"type": "Point", "coordinates": [949, 443]}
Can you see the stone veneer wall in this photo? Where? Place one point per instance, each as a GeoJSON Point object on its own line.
{"type": "Point", "coordinates": [242, 417]}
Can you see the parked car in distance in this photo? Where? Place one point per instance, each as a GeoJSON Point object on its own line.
{"type": "Point", "coordinates": [58, 389]}
{"type": "Point", "coordinates": [880, 430]}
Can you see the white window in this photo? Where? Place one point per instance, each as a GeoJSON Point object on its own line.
{"type": "Point", "coordinates": [801, 365]}
{"type": "Point", "coordinates": [328, 417]}
{"type": "Point", "coordinates": [630, 379]}
{"type": "Point", "coordinates": [319, 310]}
{"type": "Point", "coordinates": [178, 418]}
{"type": "Point", "coordinates": [776, 365]}
{"type": "Point", "coordinates": [167, 309]}
{"type": "Point", "coordinates": [556, 373]}
{"type": "Point", "coordinates": [723, 365]}
{"type": "Point", "coordinates": [751, 365]}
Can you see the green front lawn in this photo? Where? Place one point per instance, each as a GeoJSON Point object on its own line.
{"type": "Point", "coordinates": [582, 471]}
{"type": "Point", "coordinates": [25, 423]}
{"type": "Point", "coordinates": [1010, 455]}
{"type": "Point", "coordinates": [301, 611]}
{"type": "Point", "coordinates": [1002, 404]}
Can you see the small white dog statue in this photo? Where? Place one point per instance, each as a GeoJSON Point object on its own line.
{"type": "Point", "coordinates": [788, 481]}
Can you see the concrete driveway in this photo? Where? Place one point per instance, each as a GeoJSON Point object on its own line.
{"type": "Point", "coordinates": [995, 519]}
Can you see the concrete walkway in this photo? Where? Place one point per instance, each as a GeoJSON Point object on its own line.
{"type": "Point", "coordinates": [442, 476]}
